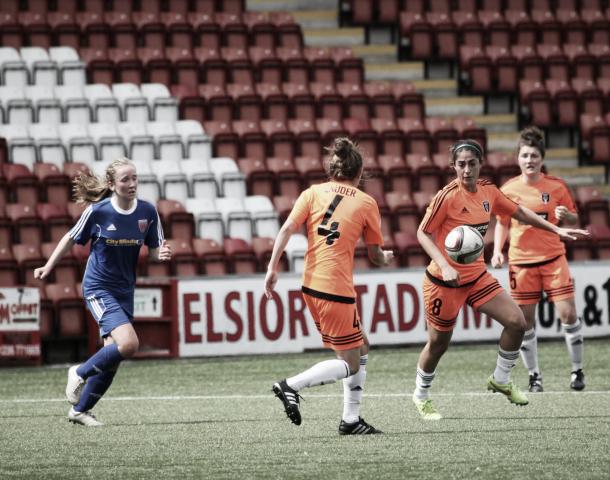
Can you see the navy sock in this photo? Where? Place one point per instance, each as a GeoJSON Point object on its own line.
{"type": "Point", "coordinates": [95, 387]}
{"type": "Point", "coordinates": [106, 358]}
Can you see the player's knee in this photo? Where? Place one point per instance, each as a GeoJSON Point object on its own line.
{"type": "Point", "coordinates": [354, 368]}
{"type": "Point", "coordinates": [129, 348]}
{"type": "Point", "coordinates": [516, 320]}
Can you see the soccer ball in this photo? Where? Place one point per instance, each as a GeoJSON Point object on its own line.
{"type": "Point", "coordinates": [464, 244]}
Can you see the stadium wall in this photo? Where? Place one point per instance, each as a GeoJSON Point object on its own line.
{"type": "Point", "coordinates": [231, 316]}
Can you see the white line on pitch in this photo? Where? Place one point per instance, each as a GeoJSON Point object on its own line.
{"type": "Point", "coordinates": [313, 395]}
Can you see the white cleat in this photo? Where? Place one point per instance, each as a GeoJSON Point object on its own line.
{"type": "Point", "coordinates": [83, 418]}
{"type": "Point", "coordinates": [74, 386]}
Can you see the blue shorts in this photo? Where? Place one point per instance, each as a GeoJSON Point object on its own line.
{"type": "Point", "coordinates": [108, 311]}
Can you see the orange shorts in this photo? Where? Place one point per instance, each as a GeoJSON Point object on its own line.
{"type": "Point", "coordinates": [443, 303]}
{"type": "Point", "coordinates": [337, 322]}
{"type": "Point", "coordinates": [528, 281]}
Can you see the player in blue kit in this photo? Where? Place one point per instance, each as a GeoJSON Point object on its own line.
{"type": "Point", "coordinates": [118, 224]}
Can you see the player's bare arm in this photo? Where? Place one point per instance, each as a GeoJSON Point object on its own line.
{"type": "Point", "coordinates": [378, 256]}
{"type": "Point", "coordinates": [450, 275]}
{"type": "Point", "coordinates": [525, 215]}
{"type": "Point", "coordinates": [288, 229]}
{"type": "Point", "coordinates": [500, 234]}
{"type": "Point", "coordinates": [63, 247]}
{"type": "Point", "coordinates": [564, 215]}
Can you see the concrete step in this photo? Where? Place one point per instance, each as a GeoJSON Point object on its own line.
{"type": "Point", "coordinates": [504, 141]}
{"type": "Point", "coordinates": [290, 5]}
{"type": "Point", "coordinates": [316, 19]}
{"type": "Point", "coordinates": [436, 88]}
{"type": "Point", "coordinates": [497, 123]}
{"type": "Point", "coordinates": [454, 106]}
{"type": "Point", "coordinates": [590, 175]}
{"type": "Point", "coordinates": [333, 37]}
{"type": "Point", "coordinates": [395, 71]}
{"type": "Point", "coordinates": [372, 54]}
{"type": "Point", "coordinates": [561, 158]}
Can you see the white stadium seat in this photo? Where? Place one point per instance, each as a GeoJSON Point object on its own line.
{"type": "Point", "coordinates": [103, 104]}
{"type": "Point", "coordinates": [163, 107]}
{"type": "Point", "coordinates": [133, 105]}
{"type": "Point", "coordinates": [43, 70]}
{"type": "Point", "coordinates": [72, 71]}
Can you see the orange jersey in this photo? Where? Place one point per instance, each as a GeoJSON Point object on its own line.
{"type": "Point", "coordinates": [530, 244]}
{"type": "Point", "coordinates": [337, 215]}
{"type": "Point", "coordinates": [454, 206]}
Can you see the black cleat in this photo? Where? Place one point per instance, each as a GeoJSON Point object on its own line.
{"type": "Point", "coordinates": [536, 383]}
{"type": "Point", "coordinates": [357, 428]}
{"type": "Point", "coordinates": [290, 399]}
{"type": "Point", "coordinates": [578, 380]}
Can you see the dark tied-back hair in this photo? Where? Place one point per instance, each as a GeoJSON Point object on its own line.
{"type": "Point", "coordinates": [345, 162]}
{"type": "Point", "coordinates": [465, 144]}
{"type": "Point", "coordinates": [532, 137]}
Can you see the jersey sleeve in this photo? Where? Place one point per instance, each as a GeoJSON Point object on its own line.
{"type": "Point", "coordinates": [435, 213]}
{"type": "Point", "coordinates": [567, 200]}
{"type": "Point", "coordinates": [154, 236]}
{"type": "Point", "coordinates": [302, 208]}
{"type": "Point", "coordinates": [81, 232]}
{"type": "Point", "coordinates": [372, 225]}
{"type": "Point", "coordinates": [503, 218]}
{"type": "Point", "coordinates": [502, 205]}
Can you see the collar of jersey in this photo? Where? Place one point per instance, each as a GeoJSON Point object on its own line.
{"type": "Point", "coordinates": [115, 205]}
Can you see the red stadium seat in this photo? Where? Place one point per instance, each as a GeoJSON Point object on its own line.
{"type": "Point", "coordinates": [11, 31]}
{"type": "Point", "coordinates": [263, 246]}
{"type": "Point", "coordinates": [36, 29]}
{"type": "Point", "coordinates": [410, 252]}
{"type": "Point", "coordinates": [307, 137]}
{"type": "Point", "coordinates": [269, 69]}
{"type": "Point", "coordinates": [123, 32]}
{"type": "Point", "coordinates": [9, 270]}
{"type": "Point", "coordinates": [64, 29]}
{"type": "Point", "coordinates": [218, 103]}
{"type": "Point", "coordinates": [391, 139]}
{"type": "Point", "coordinates": [28, 258]}
{"type": "Point", "coordinates": [179, 30]}
{"type": "Point", "coordinates": [469, 27]}
{"type": "Point", "coordinates": [184, 260]}
{"type": "Point", "coordinates": [329, 104]}
{"type": "Point", "coordinates": [27, 225]}
{"type": "Point", "coordinates": [302, 102]}
{"type": "Point", "coordinates": [281, 141]}
{"type": "Point", "coordinates": [594, 207]}
{"type": "Point", "coordinates": [214, 69]}
{"type": "Point", "coordinates": [67, 270]}
{"type": "Point", "coordinates": [417, 34]}
{"type": "Point", "coordinates": [404, 212]}
{"type": "Point", "coordinates": [381, 98]}
{"type": "Point", "coordinates": [56, 219]}
{"type": "Point", "coordinates": [417, 137]}
{"type": "Point", "coordinates": [259, 179]}
{"type": "Point", "coordinates": [428, 175]}
{"type": "Point", "coordinates": [275, 103]}
{"type": "Point", "coordinates": [310, 169]}
{"type": "Point", "coordinates": [211, 257]}
{"type": "Point", "coordinates": [289, 180]}
{"type": "Point", "coordinates": [283, 205]}
{"type": "Point", "coordinates": [247, 103]}
{"type": "Point", "coordinates": [177, 222]}
{"type": "Point", "coordinates": [94, 30]}
{"type": "Point", "coordinates": [151, 30]}
{"type": "Point", "coordinates": [69, 309]}
{"type": "Point", "coordinates": [241, 256]}
{"type": "Point", "coordinates": [321, 65]}
{"type": "Point", "coordinates": [398, 174]}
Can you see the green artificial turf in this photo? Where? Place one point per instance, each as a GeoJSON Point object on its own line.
{"type": "Point", "coordinates": [217, 418]}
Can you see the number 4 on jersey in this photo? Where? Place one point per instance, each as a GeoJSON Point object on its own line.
{"type": "Point", "coordinates": [331, 233]}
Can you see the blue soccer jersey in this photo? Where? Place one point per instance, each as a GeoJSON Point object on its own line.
{"type": "Point", "coordinates": [116, 238]}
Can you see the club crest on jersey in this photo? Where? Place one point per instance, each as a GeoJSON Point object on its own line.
{"type": "Point", "coordinates": [142, 225]}
{"type": "Point", "coordinates": [486, 205]}
{"type": "Point", "coordinates": [546, 197]}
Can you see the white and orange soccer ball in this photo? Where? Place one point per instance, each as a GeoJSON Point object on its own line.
{"type": "Point", "coordinates": [464, 244]}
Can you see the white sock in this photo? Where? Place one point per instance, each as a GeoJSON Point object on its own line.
{"type": "Point", "coordinates": [423, 382]}
{"type": "Point", "coordinates": [328, 371]}
{"type": "Point", "coordinates": [529, 351]}
{"type": "Point", "coordinates": [504, 364]}
{"type": "Point", "coordinates": [353, 389]}
{"type": "Point", "coordinates": [574, 342]}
